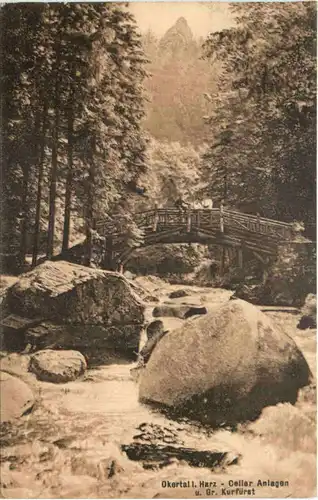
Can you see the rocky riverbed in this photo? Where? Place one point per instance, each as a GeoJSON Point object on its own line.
{"type": "Point", "coordinates": [74, 443]}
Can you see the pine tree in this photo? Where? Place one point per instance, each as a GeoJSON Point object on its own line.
{"type": "Point", "coordinates": [20, 121]}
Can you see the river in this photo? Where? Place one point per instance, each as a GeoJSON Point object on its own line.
{"type": "Point", "coordinates": [70, 445]}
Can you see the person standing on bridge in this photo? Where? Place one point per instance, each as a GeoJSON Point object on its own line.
{"type": "Point", "coordinates": [141, 191]}
{"type": "Point", "coordinates": [182, 205]}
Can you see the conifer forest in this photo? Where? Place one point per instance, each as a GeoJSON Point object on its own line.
{"type": "Point", "coordinates": [94, 110]}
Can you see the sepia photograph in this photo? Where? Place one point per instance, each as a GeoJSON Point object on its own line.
{"type": "Point", "coordinates": [158, 250]}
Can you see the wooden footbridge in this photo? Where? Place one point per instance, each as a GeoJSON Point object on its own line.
{"type": "Point", "coordinates": [218, 226]}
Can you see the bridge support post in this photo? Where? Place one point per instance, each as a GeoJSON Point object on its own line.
{"type": "Point", "coordinates": [265, 261]}
{"type": "Point", "coordinates": [155, 222]}
{"type": "Point", "coordinates": [264, 276]}
{"type": "Point", "coordinates": [222, 217]}
{"type": "Point", "coordinates": [240, 258]}
{"type": "Point", "coordinates": [223, 260]}
{"type": "Point", "coordinates": [189, 221]}
{"type": "Point", "coordinates": [265, 270]}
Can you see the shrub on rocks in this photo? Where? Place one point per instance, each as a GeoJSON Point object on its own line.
{"type": "Point", "coordinates": [290, 278]}
{"type": "Point", "coordinates": [251, 293]}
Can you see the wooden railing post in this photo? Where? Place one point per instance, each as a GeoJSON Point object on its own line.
{"type": "Point", "coordinates": [211, 217]}
{"type": "Point", "coordinates": [198, 218]}
{"type": "Point", "coordinates": [189, 221]}
{"type": "Point", "coordinates": [222, 217]}
{"type": "Point", "coordinates": [155, 222]}
{"type": "Point", "coordinates": [258, 227]}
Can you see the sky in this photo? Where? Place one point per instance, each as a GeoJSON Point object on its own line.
{"type": "Point", "coordinates": [202, 17]}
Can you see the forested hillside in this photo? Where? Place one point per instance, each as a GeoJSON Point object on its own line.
{"type": "Point", "coordinates": [96, 113]}
{"type": "Point", "coordinates": [72, 109]}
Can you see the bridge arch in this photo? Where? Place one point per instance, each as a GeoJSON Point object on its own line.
{"type": "Point", "coordinates": [206, 226]}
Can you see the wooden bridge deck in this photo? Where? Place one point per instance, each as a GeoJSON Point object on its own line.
{"type": "Point", "coordinates": [210, 226]}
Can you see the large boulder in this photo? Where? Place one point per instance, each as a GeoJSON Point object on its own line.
{"type": "Point", "coordinates": [57, 366]}
{"type": "Point", "coordinates": [16, 364]}
{"type": "Point", "coordinates": [86, 338]}
{"type": "Point", "coordinates": [176, 294]}
{"type": "Point", "coordinates": [154, 328]}
{"type": "Point", "coordinates": [178, 311]}
{"type": "Point", "coordinates": [16, 397]}
{"type": "Point", "coordinates": [224, 367]}
{"type": "Point", "coordinates": [151, 343]}
{"type": "Point", "coordinates": [78, 303]}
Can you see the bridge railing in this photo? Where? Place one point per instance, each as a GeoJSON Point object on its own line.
{"type": "Point", "coordinates": [172, 217]}
{"type": "Point", "coordinates": [215, 219]}
{"type": "Point", "coordinates": [256, 224]}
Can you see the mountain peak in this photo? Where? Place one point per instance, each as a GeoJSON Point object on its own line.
{"type": "Point", "coordinates": [181, 22]}
{"type": "Point", "coordinates": [179, 35]}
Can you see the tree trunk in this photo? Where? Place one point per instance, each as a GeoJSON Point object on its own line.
{"type": "Point", "coordinates": [90, 208]}
{"type": "Point", "coordinates": [223, 257]}
{"type": "Point", "coordinates": [34, 157]}
{"type": "Point", "coordinates": [56, 125]}
{"type": "Point", "coordinates": [39, 190]}
{"type": "Point", "coordinates": [69, 178]}
{"type": "Point", "coordinates": [24, 209]}
{"type": "Point", "coordinates": [89, 223]}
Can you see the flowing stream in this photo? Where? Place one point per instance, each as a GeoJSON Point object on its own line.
{"type": "Point", "coordinates": [70, 445]}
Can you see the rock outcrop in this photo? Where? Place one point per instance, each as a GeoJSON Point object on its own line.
{"type": "Point", "coordinates": [57, 366]}
{"type": "Point", "coordinates": [154, 328]}
{"type": "Point", "coordinates": [16, 397]}
{"type": "Point", "coordinates": [74, 306]}
{"type": "Point", "coordinates": [178, 311]}
{"type": "Point", "coordinates": [151, 343]}
{"type": "Point", "coordinates": [224, 367]}
{"type": "Point", "coordinates": [251, 293]}
{"type": "Point", "coordinates": [309, 313]}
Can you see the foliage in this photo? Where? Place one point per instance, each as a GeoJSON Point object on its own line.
{"type": "Point", "coordinates": [294, 273]}
{"type": "Point", "coordinates": [173, 171]}
{"type": "Point", "coordinates": [263, 152]}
